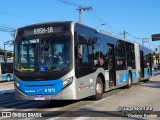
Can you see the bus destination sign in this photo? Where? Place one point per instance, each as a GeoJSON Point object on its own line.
{"type": "Point", "coordinates": [43, 30]}
{"type": "Point", "coordinates": [38, 31]}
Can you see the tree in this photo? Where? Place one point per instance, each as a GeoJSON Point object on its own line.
{"type": "Point", "coordinates": [156, 56]}
{"type": "Point", "coordinates": [1, 51]}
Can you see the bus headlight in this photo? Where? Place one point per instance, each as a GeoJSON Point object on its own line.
{"type": "Point", "coordinates": [67, 82]}
{"type": "Point", "coordinates": [16, 83]}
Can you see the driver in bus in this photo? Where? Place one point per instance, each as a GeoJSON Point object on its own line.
{"type": "Point", "coordinates": [101, 61]}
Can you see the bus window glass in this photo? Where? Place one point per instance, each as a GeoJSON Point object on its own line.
{"type": "Point", "coordinates": [120, 56]}
{"type": "Point", "coordinates": [85, 53]}
{"type": "Point", "coordinates": [52, 52]}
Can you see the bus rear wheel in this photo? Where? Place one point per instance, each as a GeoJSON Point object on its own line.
{"type": "Point", "coordinates": [98, 89]}
{"type": "Point", "coordinates": [8, 78]}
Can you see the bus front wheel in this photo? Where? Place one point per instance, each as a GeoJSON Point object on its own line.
{"type": "Point", "coordinates": [98, 89]}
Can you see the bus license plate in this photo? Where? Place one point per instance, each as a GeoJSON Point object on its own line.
{"type": "Point", "coordinates": [39, 98]}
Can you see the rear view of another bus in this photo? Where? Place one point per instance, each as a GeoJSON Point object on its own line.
{"type": "Point", "coordinates": [6, 71]}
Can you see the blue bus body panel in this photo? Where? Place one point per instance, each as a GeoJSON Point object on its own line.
{"type": "Point", "coordinates": [153, 72]}
{"type": "Point", "coordinates": [146, 72]}
{"type": "Point", "coordinates": [12, 76]}
{"type": "Point", "coordinates": [4, 77]}
{"type": "Point", "coordinates": [124, 77]}
{"type": "Point", "coordinates": [134, 75]}
{"type": "Point", "coordinates": [48, 87]}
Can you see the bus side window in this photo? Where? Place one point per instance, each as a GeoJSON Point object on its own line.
{"type": "Point", "coordinates": [3, 68]}
{"type": "Point", "coordinates": [83, 53]}
{"type": "Point", "coordinates": [97, 52]}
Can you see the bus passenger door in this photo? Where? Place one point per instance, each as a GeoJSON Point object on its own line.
{"type": "Point", "coordinates": [142, 63]}
{"type": "Point", "coordinates": [111, 65]}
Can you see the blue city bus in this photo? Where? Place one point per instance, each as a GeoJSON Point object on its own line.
{"type": "Point", "coordinates": [6, 71]}
{"type": "Point", "coordinates": [71, 61]}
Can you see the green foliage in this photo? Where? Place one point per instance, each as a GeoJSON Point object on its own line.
{"type": "Point", "coordinates": [9, 54]}
{"type": "Point", "coordinates": [156, 55]}
{"type": "Point", "coordinates": [1, 51]}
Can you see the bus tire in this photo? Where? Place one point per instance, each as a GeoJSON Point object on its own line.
{"type": "Point", "coordinates": [129, 81]}
{"type": "Point", "coordinates": [8, 78]}
{"type": "Point", "coordinates": [98, 89]}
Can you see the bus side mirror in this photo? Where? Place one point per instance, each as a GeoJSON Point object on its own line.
{"type": "Point", "coordinates": [5, 56]}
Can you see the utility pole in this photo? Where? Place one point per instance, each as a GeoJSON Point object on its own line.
{"type": "Point", "coordinates": [124, 34]}
{"type": "Point", "coordinates": [80, 11]}
{"type": "Point", "coordinates": [80, 14]}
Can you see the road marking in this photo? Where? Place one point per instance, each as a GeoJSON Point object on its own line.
{"type": "Point", "coordinates": [53, 118]}
{"type": "Point", "coordinates": [120, 92]}
{"type": "Point", "coordinates": [46, 110]}
{"type": "Point", "coordinates": [77, 118]}
{"type": "Point", "coordinates": [82, 118]}
{"type": "Point", "coordinates": [155, 77]}
{"type": "Point", "coordinates": [106, 97]}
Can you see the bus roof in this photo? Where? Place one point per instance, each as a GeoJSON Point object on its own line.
{"type": "Point", "coordinates": [73, 22]}
{"type": "Point", "coordinates": [46, 23]}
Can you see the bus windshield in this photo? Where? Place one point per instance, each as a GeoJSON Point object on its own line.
{"type": "Point", "coordinates": [43, 54]}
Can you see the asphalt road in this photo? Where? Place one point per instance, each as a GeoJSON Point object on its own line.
{"type": "Point", "coordinates": [142, 95]}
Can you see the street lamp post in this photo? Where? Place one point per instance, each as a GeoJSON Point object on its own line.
{"type": "Point", "coordinates": [100, 25]}
{"type": "Point", "coordinates": [5, 52]}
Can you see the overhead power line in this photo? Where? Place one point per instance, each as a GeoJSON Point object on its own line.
{"type": "Point", "coordinates": [107, 26]}
{"type": "Point", "coordinates": [71, 3]}
{"type": "Point", "coordinates": [18, 16]}
{"type": "Point", "coordinates": [2, 24]}
{"type": "Point", "coordinates": [97, 18]}
{"type": "Point", "coordinates": [80, 7]}
{"type": "Point", "coordinates": [7, 29]}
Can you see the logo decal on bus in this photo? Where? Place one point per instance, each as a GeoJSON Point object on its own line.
{"type": "Point", "coordinates": [42, 68]}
